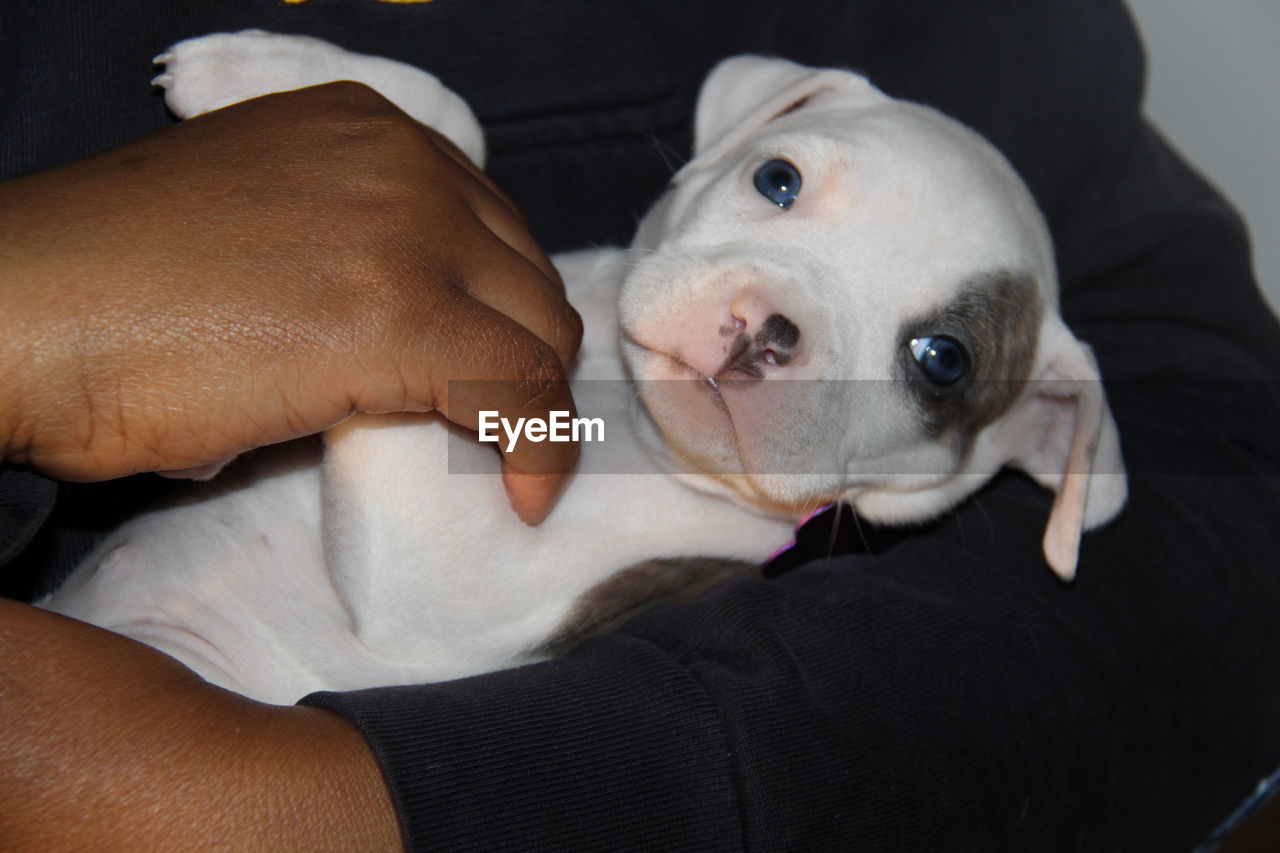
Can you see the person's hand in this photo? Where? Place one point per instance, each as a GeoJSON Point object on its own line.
{"type": "Point", "coordinates": [258, 274]}
{"type": "Point", "coordinates": [111, 745]}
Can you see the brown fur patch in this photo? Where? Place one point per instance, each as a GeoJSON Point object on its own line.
{"type": "Point", "coordinates": [633, 590]}
{"type": "Point", "coordinates": [996, 316]}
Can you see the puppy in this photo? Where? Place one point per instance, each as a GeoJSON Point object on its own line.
{"type": "Point", "coordinates": [842, 297]}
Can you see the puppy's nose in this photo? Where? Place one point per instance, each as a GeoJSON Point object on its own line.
{"type": "Point", "coordinates": [757, 338]}
{"type": "Point", "coordinates": [745, 335]}
{"type": "Point", "coordinates": [777, 332]}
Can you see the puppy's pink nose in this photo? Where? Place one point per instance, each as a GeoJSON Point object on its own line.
{"type": "Point", "coordinates": [751, 339]}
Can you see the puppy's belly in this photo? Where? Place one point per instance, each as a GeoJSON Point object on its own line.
{"type": "Point", "coordinates": [443, 580]}
{"type": "Point", "coordinates": [250, 586]}
{"type": "Point", "coordinates": [252, 589]}
{"type": "Point", "coordinates": [226, 584]}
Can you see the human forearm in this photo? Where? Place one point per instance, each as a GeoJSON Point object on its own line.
{"type": "Point", "coordinates": [112, 745]}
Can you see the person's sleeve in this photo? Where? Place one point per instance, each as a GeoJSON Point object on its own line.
{"type": "Point", "coordinates": [26, 499]}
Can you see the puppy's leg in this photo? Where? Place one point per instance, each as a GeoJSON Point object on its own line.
{"type": "Point", "coordinates": [214, 71]}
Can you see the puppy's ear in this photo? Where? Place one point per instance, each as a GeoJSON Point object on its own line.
{"type": "Point", "coordinates": [1067, 441]}
{"type": "Point", "coordinates": [744, 93]}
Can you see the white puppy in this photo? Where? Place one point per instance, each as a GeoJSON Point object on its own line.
{"type": "Point", "coordinates": [882, 258]}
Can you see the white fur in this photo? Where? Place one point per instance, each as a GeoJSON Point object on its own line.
{"type": "Point", "coordinates": [375, 565]}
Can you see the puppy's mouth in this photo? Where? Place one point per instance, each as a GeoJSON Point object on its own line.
{"type": "Point", "coordinates": [692, 411]}
{"type": "Point", "coordinates": [700, 434]}
{"type": "Point", "coordinates": [690, 372]}
{"type": "Point", "coordinates": [685, 374]}
{"type": "Point", "coordinates": [745, 360]}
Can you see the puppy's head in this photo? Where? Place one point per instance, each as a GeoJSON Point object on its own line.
{"type": "Point", "coordinates": [846, 296]}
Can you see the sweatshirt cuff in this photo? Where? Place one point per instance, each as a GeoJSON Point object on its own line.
{"type": "Point", "coordinates": [26, 499]}
{"type": "Point", "coordinates": [613, 747]}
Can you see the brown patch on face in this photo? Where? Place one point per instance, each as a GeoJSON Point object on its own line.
{"type": "Point", "coordinates": [631, 591]}
{"type": "Point", "coordinates": [996, 317]}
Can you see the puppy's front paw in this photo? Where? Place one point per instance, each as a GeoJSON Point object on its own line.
{"type": "Point", "coordinates": [214, 71]}
{"type": "Point", "coordinates": [218, 70]}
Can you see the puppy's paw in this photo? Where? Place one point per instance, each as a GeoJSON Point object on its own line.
{"type": "Point", "coordinates": [221, 69]}
{"type": "Point", "coordinates": [214, 71]}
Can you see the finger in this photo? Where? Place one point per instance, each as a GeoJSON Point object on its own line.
{"type": "Point", "coordinates": [492, 364]}
{"type": "Point", "coordinates": [498, 211]}
{"type": "Point", "coordinates": [533, 496]}
{"type": "Point", "coordinates": [197, 472]}
{"type": "Point", "coordinates": [526, 418]}
{"type": "Point", "coordinates": [456, 154]}
{"type": "Point", "coordinates": [512, 229]}
{"type": "Point", "coordinates": [511, 284]}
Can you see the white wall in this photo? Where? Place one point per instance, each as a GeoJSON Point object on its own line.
{"type": "Point", "coordinates": [1213, 87]}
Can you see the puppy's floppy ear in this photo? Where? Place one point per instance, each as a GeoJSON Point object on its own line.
{"type": "Point", "coordinates": [1066, 439]}
{"type": "Point", "coordinates": [743, 93]}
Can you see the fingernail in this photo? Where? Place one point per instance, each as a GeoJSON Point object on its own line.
{"type": "Point", "coordinates": [198, 472]}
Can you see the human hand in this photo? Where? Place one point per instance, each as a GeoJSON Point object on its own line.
{"type": "Point", "coordinates": [258, 274]}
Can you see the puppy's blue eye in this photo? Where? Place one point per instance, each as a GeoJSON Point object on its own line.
{"type": "Point", "coordinates": [942, 359]}
{"type": "Point", "coordinates": [778, 181]}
